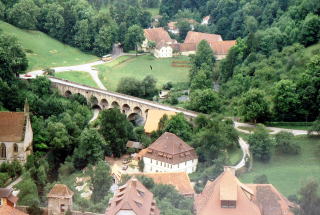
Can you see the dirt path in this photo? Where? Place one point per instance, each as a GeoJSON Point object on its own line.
{"type": "Point", "coordinates": [245, 150]}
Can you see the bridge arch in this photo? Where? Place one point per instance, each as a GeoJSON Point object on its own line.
{"type": "Point", "coordinates": [67, 93]}
{"type": "Point", "coordinates": [136, 119]}
{"type": "Point", "coordinates": [137, 110]}
{"type": "Point", "coordinates": [115, 104]}
{"type": "Point", "coordinates": [104, 103]}
{"type": "Point", "coordinates": [125, 108]}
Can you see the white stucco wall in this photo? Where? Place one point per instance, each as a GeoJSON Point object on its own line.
{"type": "Point", "coordinates": [126, 212]}
{"type": "Point", "coordinates": [151, 165]}
{"type": "Point", "coordinates": [164, 52]}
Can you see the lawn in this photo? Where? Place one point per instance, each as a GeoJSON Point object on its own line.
{"type": "Point", "coordinates": [235, 156]}
{"type": "Point", "coordinates": [139, 67]}
{"type": "Point", "coordinates": [77, 76]}
{"type": "Point", "coordinates": [153, 11]}
{"type": "Point", "coordinates": [44, 51]}
{"type": "Point", "coordinates": [288, 173]}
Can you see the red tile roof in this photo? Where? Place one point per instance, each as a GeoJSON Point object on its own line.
{"type": "Point", "coordinates": [196, 37]}
{"type": "Point", "coordinates": [170, 149]}
{"type": "Point", "coordinates": [133, 196]}
{"type": "Point", "coordinates": [7, 193]}
{"type": "Point", "coordinates": [157, 35]}
{"type": "Point", "coordinates": [250, 199]}
{"type": "Point", "coordinates": [7, 210]}
{"type": "Point", "coordinates": [180, 180]}
{"type": "Point", "coordinates": [60, 190]}
{"type": "Point", "coordinates": [222, 47]}
{"type": "Point", "coordinates": [12, 126]}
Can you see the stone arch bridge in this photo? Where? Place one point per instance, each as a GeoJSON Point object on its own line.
{"type": "Point", "coordinates": [104, 99]}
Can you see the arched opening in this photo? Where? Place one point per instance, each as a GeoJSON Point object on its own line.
{"type": "Point", "coordinates": [146, 113]}
{"type": "Point", "coordinates": [94, 101]}
{"type": "Point", "coordinates": [104, 103]}
{"type": "Point", "coordinates": [96, 106]}
{"type": "Point", "coordinates": [67, 93]}
{"type": "Point", "coordinates": [136, 119]}
{"type": "Point", "coordinates": [79, 98]}
{"type": "Point", "coordinates": [15, 148]}
{"type": "Point", "coordinates": [125, 108]}
{"type": "Point", "coordinates": [137, 110]}
{"type": "Point", "coordinates": [3, 151]}
{"type": "Point", "coordinates": [115, 105]}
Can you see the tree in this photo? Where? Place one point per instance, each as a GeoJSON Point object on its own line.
{"type": "Point", "coordinates": [177, 125]}
{"type": "Point", "coordinates": [205, 101]}
{"type": "Point", "coordinates": [24, 14]}
{"type": "Point", "coordinates": [130, 86]}
{"type": "Point", "coordinates": [149, 84]}
{"type": "Point", "coordinates": [116, 130]}
{"type": "Point", "coordinates": [90, 150]}
{"type": "Point", "coordinates": [53, 20]}
{"type": "Point", "coordinates": [184, 28]}
{"type": "Point", "coordinates": [203, 79]}
{"type": "Point", "coordinates": [101, 181]}
{"type": "Point", "coordinates": [309, 33]}
{"type": "Point", "coordinates": [204, 55]}
{"type": "Point", "coordinates": [12, 57]}
{"type": "Point", "coordinates": [82, 37]}
{"type": "Point", "coordinates": [286, 100]}
{"type": "Point", "coordinates": [105, 39]}
{"type": "Point", "coordinates": [2, 10]}
{"type": "Point", "coordinates": [134, 37]}
{"type": "Point", "coordinates": [310, 199]}
{"type": "Point", "coordinates": [315, 128]}
{"type": "Point", "coordinates": [254, 106]}
{"type": "Point", "coordinates": [260, 144]}
{"type": "Point", "coordinates": [284, 143]}
{"type": "Point", "coordinates": [28, 194]}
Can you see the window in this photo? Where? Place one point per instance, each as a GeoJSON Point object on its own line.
{"type": "Point", "coordinates": [3, 151]}
{"type": "Point", "coordinates": [15, 148]}
{"type": "Point", "coordinates": [186, 163]}
{"type": "Point", "coordinates": [62, 208]}
{"type": "Point", "coordinates": [228, 204]}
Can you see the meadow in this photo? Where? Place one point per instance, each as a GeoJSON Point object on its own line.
{"type": "Point", "coordinates": [289, 172]}
{"type": "Point", "coordinates": [139, 67]}
{"type": "Point", "coordinates": [44, 51]}
{"type": "Point", "coordinates": [77, 76]}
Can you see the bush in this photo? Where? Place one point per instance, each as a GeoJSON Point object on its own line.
{"type": "Point", "coordinates": [4, 177]}
{"type": "Point", "coordinates": [260, 144]}
{"type": "Point", "coordinates": [315, 128]}
{"type": "Point", "coordinates": [284, 143]}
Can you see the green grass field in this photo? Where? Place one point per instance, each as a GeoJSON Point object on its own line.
{"type": "Point", "coordinates": [44, 51]}
{"type": "Point", "coordinates": [77, 76]}
{"type": "Point", "coordinates": [153, 11]}
{"type": "Point", "coordinates": [235, 156]}
{"type": "Point", "coordinates": [139, 67]}
{"type": "Point", "coordinates": [288, 173]}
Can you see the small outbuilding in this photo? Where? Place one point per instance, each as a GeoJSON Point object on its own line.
{"type": "Point", "coordinates": [59, 200]}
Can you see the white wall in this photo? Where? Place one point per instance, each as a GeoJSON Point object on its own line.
{"type": "Point", "coordinates": [164, 52]}
{"type": "Point", "coordinates": [126, 212]}
{"type": "Point", "coordinates": [151, 165]}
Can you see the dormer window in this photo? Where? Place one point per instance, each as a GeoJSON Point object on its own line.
{"type": "Point", "coordinates": [228, 204]}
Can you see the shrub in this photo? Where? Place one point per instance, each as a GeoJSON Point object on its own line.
{"type": "Point", "coordinates": [4, 177]}
{"type": "Point", "coordinates": [284, 143]}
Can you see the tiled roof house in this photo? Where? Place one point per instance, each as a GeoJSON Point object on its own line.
{"type": "Point", "coordinates": [134, 199]}
{"type": "Point", "coordinates": [162, 40]}
{"type": "Point", "coordinates": [170, 154]}
{"type": "Point", "coordinates": [59, 199]}
{"type": "Point", "coordinates": [8, 203]}
{"type": "Point", "coordinates": [228, 196]}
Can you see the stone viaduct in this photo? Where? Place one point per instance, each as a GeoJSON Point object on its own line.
{"type": "Point", "coordinates": [131, 106]}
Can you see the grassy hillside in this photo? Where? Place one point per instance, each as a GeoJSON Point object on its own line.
{"type": "Point", "coordinates": [289, 172]}
{"type": "Point", "coordinates": [139, 67]}
{"type": "Point", "coordinates": [77, 76]}
{"type": "Point", "coordinates": [44, 51]}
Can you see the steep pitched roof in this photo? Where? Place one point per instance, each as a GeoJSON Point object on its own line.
{"type": "Point", "coordinates": [180, 180]}
{"type": "Point", "coordinates": [60, 191]}
{"type": "Point", "coordinates": [7, 193]}
{"type": "Point", "coordinates": [196, 37]}
{"type": "Point", "coordinates": [7, 210]}
{"type": "Point", "coordinates": [251, 199]}
{"type": "Point", "coordinates": [157, 35]}
{"type": "Point", "coordinates": [133, 196]}
{"type": "Point", "coordinates": [222, 47]}
{"type": "Point", "coordinates": [184, 47]}
{"type": "Point", "coordinates": [170, 149]}
{"type": "Point", "coordinates": [226, 188]}
{"type": "Point", "coordinates": [153, 119]}
{"type": "Point", "coordinates": [270, 201]}
{"type": "Point", "coordinates": [12, 126]}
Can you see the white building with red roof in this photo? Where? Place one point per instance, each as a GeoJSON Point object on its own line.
{"type": "Point", "coordinates": [162, 41]}
{"type": "Point", "coordinates": [170, 154]}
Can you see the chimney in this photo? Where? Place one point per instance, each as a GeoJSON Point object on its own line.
{"type": "Point", "coordinates": [134, 182]}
